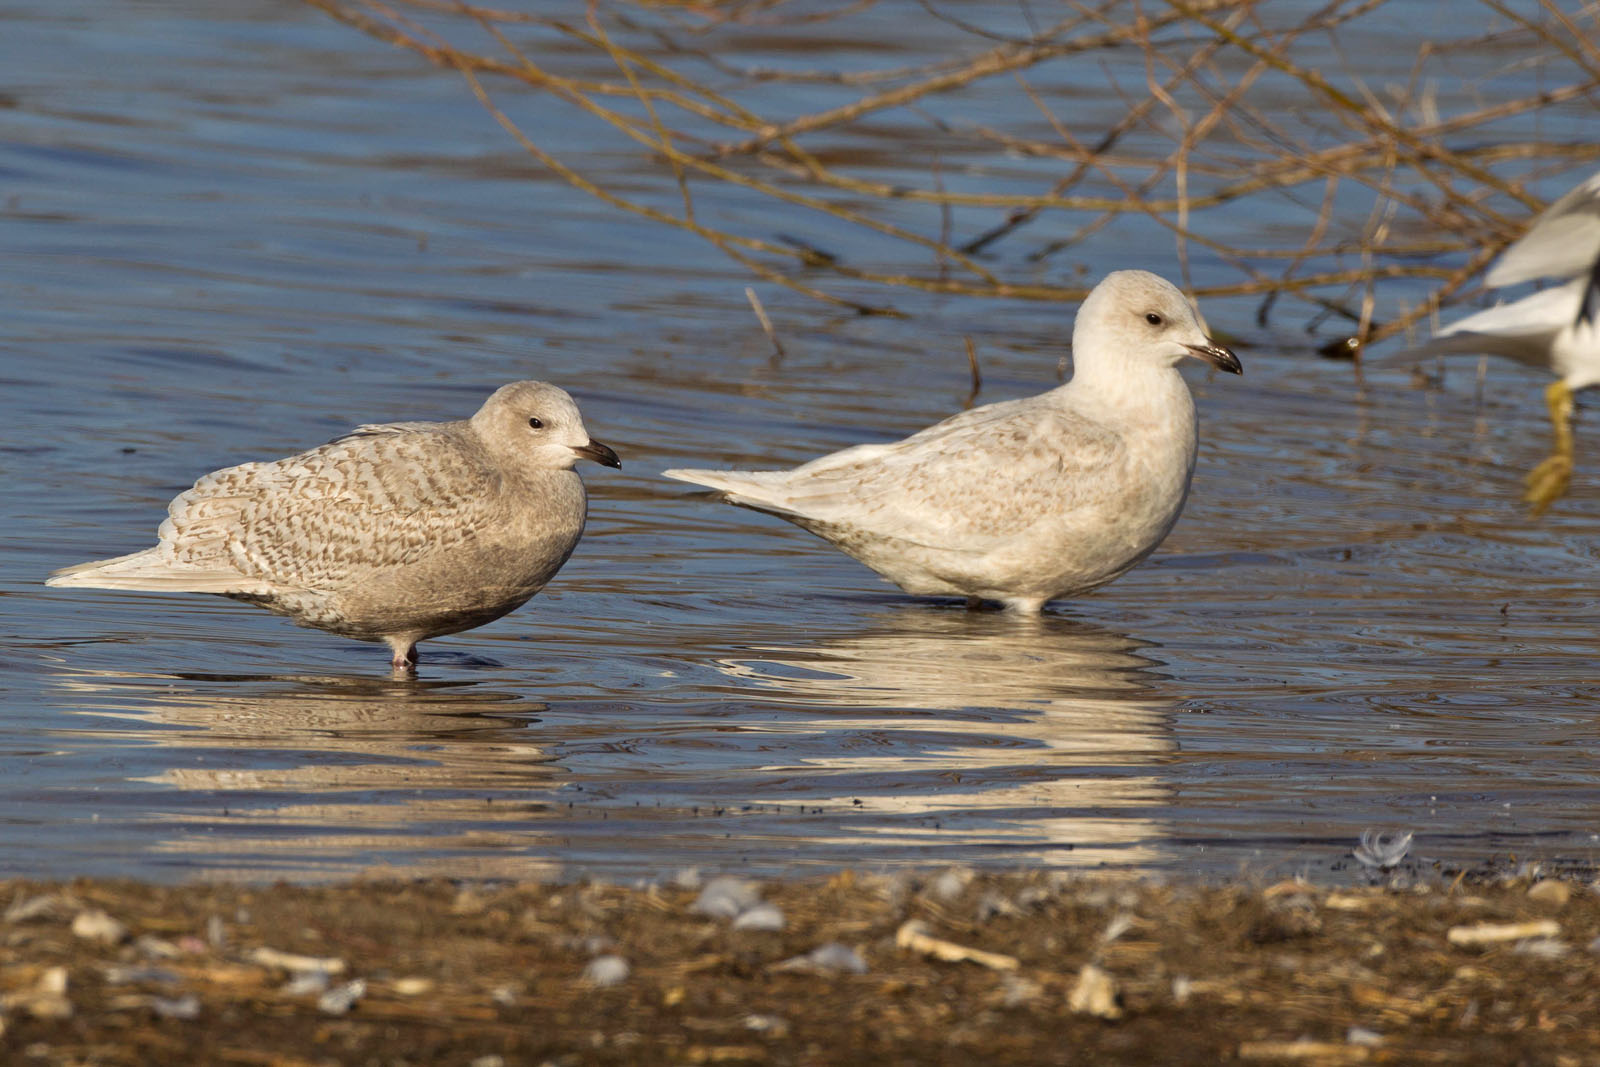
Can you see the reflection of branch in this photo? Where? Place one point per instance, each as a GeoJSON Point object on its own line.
{"type": "Point", "coordinates": [1227, 114]}
{"type": "Point", "coordinates": [730, 245]}
{"type": "Point", "coordinates": [1133, 118]}
{"type": "Point", "coordinates": [1347, 107]}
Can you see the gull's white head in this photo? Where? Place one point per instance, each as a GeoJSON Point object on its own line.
{"type": "Point", "coordinates": [535, 425]}
{"type": "Point", "coordinates": [1134, 318]}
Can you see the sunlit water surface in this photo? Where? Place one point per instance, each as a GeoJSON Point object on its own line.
{"type": "Point", "coordinates": [234, 230]}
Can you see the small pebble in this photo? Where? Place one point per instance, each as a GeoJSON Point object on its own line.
{"type": "Point", "coordinates": [1094, 994]}
{"type": "Point", "coordinates": [952, 883]}
{"type": "Point", "coordinates": [117, 974]}
{"type": "Point", "coordinates": [342, 998]}
{"type": "Point", "coordinates": [40, 1005]}
{"type": "Point", "coordinates": [836, 957]}
{"type": "Point", "coordinates": [598, 945]}
{"type": "Point", "coordinates": [1547, 948]}
{"type": "Point", "coordinates": [770, 1025]}
{"type": "Point", "coordinates": [992, 905]}
{"type": "Point", "coordinates": [726, 897]}
{"type": "Point", "coordinates": [1550, 892]}
{"type": "Point", "coordinates": [184, 1007]}
{"type": "Point", "coordinates": [157, 948]}
{"type": "Point", "coordinates": [1016, 991]}
{"type": "Point", "coordinates": [1035, 896]}
{"type": "Point", "coordinates": [53, 980]}
{"type": "Point", "coordinates": [830, 957]}
{"type": "Point", "coordinates": [761, 917]}
{"type": "Point", "coordinates": [96, 925]}
{"type": "Point", "coordinates": [305, 983]}
{"type": "Point", "coordinates": [606, 971]}
{"type": "Point", "coordinates": [47, 1000]}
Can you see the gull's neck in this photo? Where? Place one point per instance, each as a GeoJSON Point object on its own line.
{"type": "Point", "coordinates": [1131, 393]}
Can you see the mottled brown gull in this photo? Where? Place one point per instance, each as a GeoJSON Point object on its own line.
{"type": "Point", "coordinates": [1028, 500]}
{"type": "Point", "coordinates": [395, 532]}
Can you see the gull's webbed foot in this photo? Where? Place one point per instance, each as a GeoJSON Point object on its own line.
{"type": "Point", "coordinates": [1548, 482]}
{"type": "Point", "coordinates": [403, 662]}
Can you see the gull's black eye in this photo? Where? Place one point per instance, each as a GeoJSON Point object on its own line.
{"type": "Point", "coordinates": [1152, 318]}
{"type": "Point", "coordinates": [535, 422]}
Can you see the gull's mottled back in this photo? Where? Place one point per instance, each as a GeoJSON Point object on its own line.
{"type": "Point", "coordinates": [395, 532]}
{"type": "Point", "coordinates": [1028, 500]}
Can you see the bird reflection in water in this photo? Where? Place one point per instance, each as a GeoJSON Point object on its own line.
{"type": "Point", "coordinates": [316, 775]}
{"type": "Point", "coordinates": [924, 736]}
{"type": "Point", "coordinates": [1041, 739]}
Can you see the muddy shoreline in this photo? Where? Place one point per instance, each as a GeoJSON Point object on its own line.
{"type": "Point", "coordinates": [945, 967]}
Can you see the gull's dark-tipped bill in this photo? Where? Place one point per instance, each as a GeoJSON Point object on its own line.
{"type": "Point", "coordinates": [600, 453]}
{"type": "Point", "coordinates": [1218, 356]}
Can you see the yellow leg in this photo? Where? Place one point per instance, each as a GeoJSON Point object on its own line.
{"type": "Point", "coordinates": [1548, 481]}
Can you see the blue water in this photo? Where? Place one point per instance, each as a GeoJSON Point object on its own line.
{"type": "Point", "coordinates": [234, 230]}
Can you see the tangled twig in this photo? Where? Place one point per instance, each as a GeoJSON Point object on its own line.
{"type": "Point", "coordinates": [1208, 111]}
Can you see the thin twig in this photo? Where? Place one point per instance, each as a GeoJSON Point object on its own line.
{"type": "Point", "coordinates": [1233, 106]}
{"type": "Point", "coordinates": [977, 375]}
{"type": "Point", "coordinates": [766, 324]}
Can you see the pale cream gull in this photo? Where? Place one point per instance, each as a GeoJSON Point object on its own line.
{"type": "Point", "coordinates": [1028, 500]}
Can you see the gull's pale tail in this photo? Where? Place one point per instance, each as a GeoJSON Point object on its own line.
{"type": "Point", "coordinates": [147, 570]}
{"type": "Point", "coordinates": [752, 489]}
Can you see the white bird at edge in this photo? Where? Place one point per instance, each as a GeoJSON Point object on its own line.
{"type": "Point", "coordinates": [1028, 500]}
{"type": "Point", "coordinates": [394, 532]}
{"type": "Point", "coordinates": [1553, 328]}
